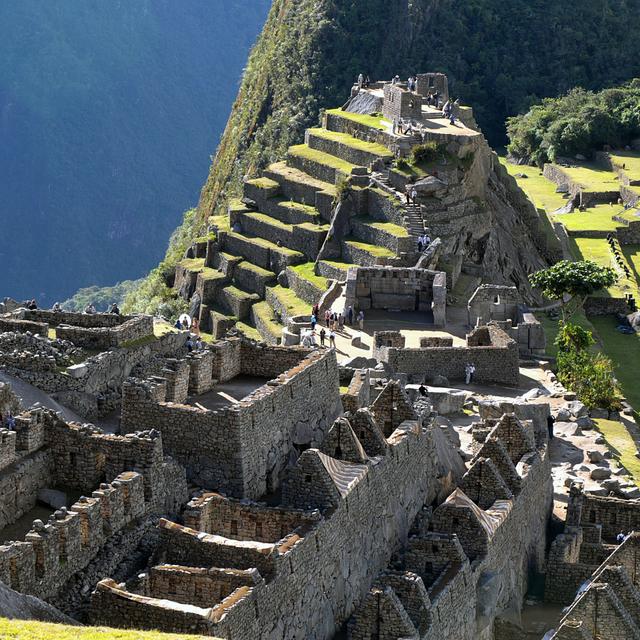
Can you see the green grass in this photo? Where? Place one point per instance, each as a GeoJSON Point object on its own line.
{"type": "Point", "coordinates": [254, 268]}
{"type": "Point", "coordinates": [221, 221]}
{"type": "Point", "coordinates": [369, 121]}
{"type": "Point", "coordinates": [632, 255]}
{"type": "Point", "coordinates": [210, 237]}
{"type": "Point", "coordinates": [139, 342]}
{"type": "Point", "coordinates": [273, 222]}
{"type": "Point", "coordinates": [307, 272]}
{"type": "Point", "coordinates": [325, 159]}
{"type": "Point", "coordinates": [250, 332]}
{"type": "Point", "coordinates": [551, 328]}
{"type": "Point", "coordinates": [342, 266]}
{"type": "Point", "coordinates": [211, 274]}
{"type": "Point", "coordinates": [192, 264]}
{"type": "Point", "coordinates": [541, 192]}
{"type": "Point", "coordinates": [392, 229]}
{"type": "Point", "coordinates": [292, 174]}
{"type": "Point", "coordinates": [596, 218]}
{"type": "Point", "coordinates": [372, 249]}
{"type": "Point", "coordinates": [265, 313]}
{"type": "Point", "coordinates": [622, 446]}
{"type": "Point", "coordinates": [288, 298]}
{"type": "Point", "coordinates": [355, 143]}
{"type": "Point", "coordinates": [265, 244]}
{"type": "Point", "coordinates": [592, 178]}
{"type": "Point", "coordinates": [624, 350]}
{"type": "Point", "coordinates": [631, 161]}
{"type": "Point", "coordinates": [597, 250]}
{"type": "Point", "coordinates": [264, 183]}
{"type": "Point", "coordinates": [239, 294]}
{"type": "Point", "coordinates": [31, 630]}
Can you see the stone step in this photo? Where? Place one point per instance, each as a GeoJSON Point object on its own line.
{"type": "Point", "coordinates": [289, 211]}
{"type": "Point", "coordinates": [265, 254]}
{"type": "Point", "coordinates": [334, 269]}
{"type": "Point", "coordinates": [286, 303]}
{"type": "Point", "coordinates": [305, 283]}
{"type": "Point", "coordinates": [307, 238]}
{"type": "Point", "coordinates": [319, 165]}
{"type": "Point", "coordinates": [252, 278]}
{"type": "Point", "coordinates": [364, 254]}
{"type": "Point", "coordinates": [346, 147]}
{"type": "Point", "coordinates": [300, 187]}
{"type": "Point", "coordinates": [264, 320]}
{"type": "Point", "coordinates": [392, 236]}
{"type": "Point", "coordinates": [237, 301]}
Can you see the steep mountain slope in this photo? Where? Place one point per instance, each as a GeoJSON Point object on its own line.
{"type": "Point", "coordinates": [108, 114]}
{"type": "Point", "coordinates": [499, 56]}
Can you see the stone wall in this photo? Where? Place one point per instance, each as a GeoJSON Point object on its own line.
{"type": "Point", "coordinates": [53, 552]}
{"type": "Point", "coordinates": [103, 338]}
{"type": "Point", "coordinates": [397, 289]}
{"type": "Point", "coordinates": [22, 326]}
{"type": "Point", "coordinates": [340, 551]}
{"type": "Point", "coordinates": [244, 448]}
{"type": "Point", "coordinates": [491, 350]}
{"type": "Point", "coordinates": [400, 103]}
{"type": "Point", "coordinates": [629, 234]}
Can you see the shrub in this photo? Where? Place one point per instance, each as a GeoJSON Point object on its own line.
{"type": "Point", "coordinates": [425, 153]}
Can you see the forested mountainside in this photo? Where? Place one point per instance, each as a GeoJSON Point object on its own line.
{"type": "Point", "coordinates": [109, 112]}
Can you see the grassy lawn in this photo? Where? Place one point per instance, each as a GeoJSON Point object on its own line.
{"type": "Point", "coordinates": [592, 178]}
{"type": "Point", "coordinates": [192, 264]}
{"type": "Point", "coordinates": [596, 218]}
{"type": "Point", "coordinates": [622, 446]}
{"type": "Point", "coordinates": [30, 630]}
{"type": "Point", "coordinates": [325, 159]}
{"type": "Point", "coordinates": [541, 192]}
{"type": "Point", "coordinates": [255, 269]}
{"type": "Point", "coordinates": [374, 250]}
{"type": "Point", "coordinates": [624, 350]}
{"type": "Point", "coordinates": [288, 298]}
{"type": "Point", "coordinates": [631, 162]}
{"type": "Point", "coordinates": [264, 183]}
{"type": "Point", "coordinates": [355, 143]}
{"type": "Point", "coordinates": [597, 250]}
{"type": "Point", "coordinates": [221, 222]}
{"type": "Point", "coordinates": [307, 272]}
{"type": "Point", "coordinates": [370, 121]}
{"type": "Point", "coordinates": [388, 227]}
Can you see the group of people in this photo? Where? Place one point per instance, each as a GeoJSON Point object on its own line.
{"type": "Point", "coordinates": [334, 321]}
{"type": "Point", "coordinates": [469, 371]}
{"type": "Point", "coordinates": [194, 345]}
{"type": "Point", "coordinates": [433, 100]}
{"type": "Point", "coordinates": [423, 242]}
{"type": "Point", "coordinates": [451, 110]}
{"type": "Point", "coordinates": [187, 323]}
{"type": "Point", "coordinates": [363, 81]}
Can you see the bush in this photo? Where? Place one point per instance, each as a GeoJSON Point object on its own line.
{"type": "Point", "coordinates": [425, 153]}
{"type": "Point", "coordinates": [589, 375]}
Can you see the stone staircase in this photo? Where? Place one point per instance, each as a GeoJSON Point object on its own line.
{"type": "Point", "coordinates": [263, 263]}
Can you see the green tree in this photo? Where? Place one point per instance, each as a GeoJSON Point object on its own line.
{"type": "Point", "coordinates": [571, 283]}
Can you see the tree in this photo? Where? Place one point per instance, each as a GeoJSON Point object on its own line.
{"type": "Point", "coordinates": [571, 283]}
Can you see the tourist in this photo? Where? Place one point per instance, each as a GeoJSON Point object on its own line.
{"type": "Point", "coordinates": [550, 422]}
{"type": "Point", "coordinates": [199, 344]}
{"type": "Point", "coordinates": [313, 323]}
{"type": "Point", "coordinates": [327, 317]}
{"type": "Point", "coordinates": [195, 326]}
{"type": "Point", "coordinates": [394, 126]}
{"type": "Point", "coordinates": [315, 310]}
{"type": "Point", "coordinates": [332, 339]}
{"type": "Point", "coordinates": [341, 321]}
{"type": "Point", "coordinates": [446, 110]}
{"type": "Point", "coordinates": [420, 246]}
{"type": "Point", "coordinates": [620, 538]}
{"type": "Point", "coordinates": [189, 344]}
{"type": "Point", "coordinates": [57, 308]}
{"type": "Point", "coordinates": [350, 315]}
{"type": "Point", "coordinates": [306, 340]}
{"type": "Point", "coordinates": [367, 82]}
{"type": "Point", "coordinates": [426, 240]}
{"type": "Point", "coordinates": [436, 99]}
{"type": "Point", "coordinates": [469, 370]}
{"type": "Point", "coordinates": [114, 309]}
{"type": "Point", "coordinates": [361, 319]}
{"type": "Point", "coordinates": [323, 333]}
{"type": "Point", "coordinates": [32, 305]}
{"type": "Point", "coordinates": [360, 81]}
{"type": "Point", "coordinates": [90, 309]}
{"type": "Point", "coordinates": [414, 195]}
{"type": "Point", "coordinates": [178, 325]}
{"type": "Point", "coordinates": [422, 390]}
{"type": "Point", "coordinates": [11, 422]}
{"type": "Point", "coordinates": [408, 194]}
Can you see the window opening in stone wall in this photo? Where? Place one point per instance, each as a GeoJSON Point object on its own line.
{"type": "Point", "coordinates": [258, 529]}
{"type": "Point", "coordinates": [234, 527]}
{"type": "Point", "coordinates": [307, 478]}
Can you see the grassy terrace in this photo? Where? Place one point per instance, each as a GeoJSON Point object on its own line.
{"type": "Point", "coordinates": [370, 121]}
{"type": "Point", "coordinates": [541, 192]}
{"type": "Point", "coordinates": [592, 178]}
{"type": "Point", "coordinates": [287, 297]}
{"type": "Point", "coordinates": [372, 249]}
{"type": "Point", "coordinates": [254, 268]}
{"type": "Point", "coordinates": [631, 162]}
{"type": "Point", "coordinates": [192, 264]}
{"type": "Point", "coordinates": [221, 222]}
{"type": "Point", "coordinates": [291, 174]}
{"type": "Point", "coordinates": [266, 244]}
{"type": "Point", "coordinates": [239, 294]}
{"type": "Point", "coordinates": [274, 222]}
{"type": "Point", "coordinates": [211, 274]}
{"type": "Point", "coordinates": [264, 183]}
{"type": "Point", "coordinates": [597, 249]}
{"type": "Point", "coordinates": [388, 227]}
{"type": "Point", "coordinates": [248, 331]}
{"type": "Point", "coordinates": [30, 630]}
{"type": "Point", "coordinates": [264, 312]}
{"type": "Point", "coordinates": [350, 141]}
{"type": "Point", "coordinates": [319, 157]}
{"type": "Point", "coordinates": [306, 271]}
{"type": "Point", "coordinates": [596, 218]}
